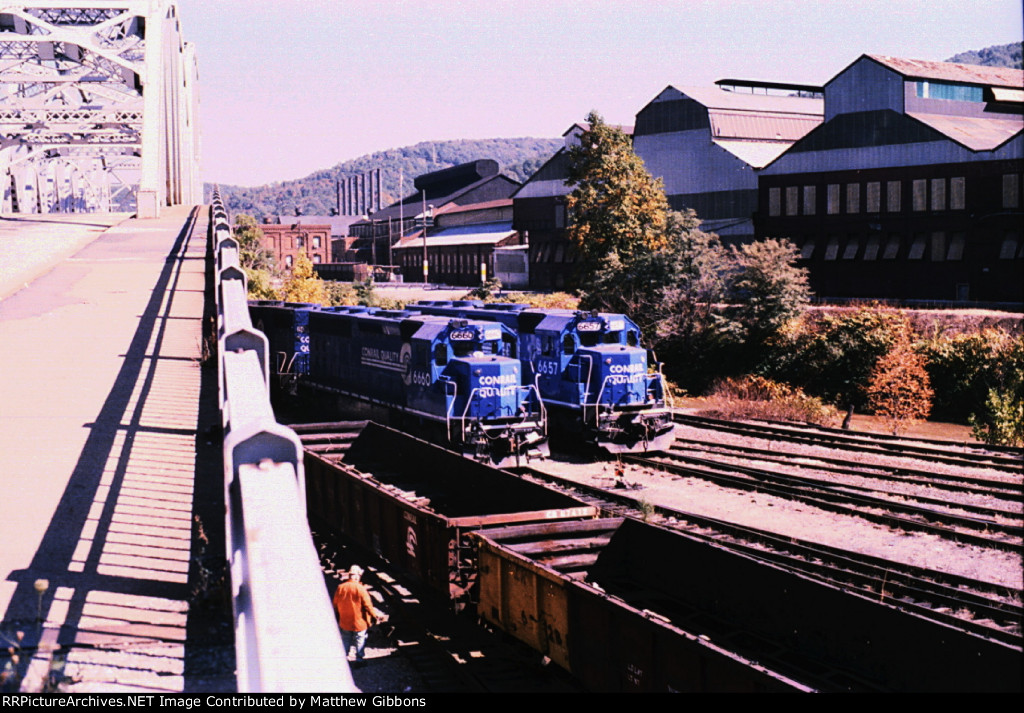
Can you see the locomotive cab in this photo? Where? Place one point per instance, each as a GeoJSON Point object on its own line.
{"type": "Point", "coordinates": [487, 408]}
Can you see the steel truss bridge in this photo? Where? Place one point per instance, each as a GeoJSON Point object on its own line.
{"type": "Point", "coordinates": [98, 108]}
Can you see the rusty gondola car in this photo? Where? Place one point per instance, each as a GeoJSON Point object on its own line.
{"type": "Point", "coordinates": [674, 613]}
{"type": "Point", "coordinates": [420, 503]}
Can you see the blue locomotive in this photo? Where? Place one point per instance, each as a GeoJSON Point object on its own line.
{"type": "Point", "coordinates": [451, 378]}
{"type": "Point", "coordinates": [596, 381]}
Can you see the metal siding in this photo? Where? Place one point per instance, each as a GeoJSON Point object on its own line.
{"type": "Point", "coordinates": [688, 163]}
{"type": "Point", "coordinates": [863, 86]}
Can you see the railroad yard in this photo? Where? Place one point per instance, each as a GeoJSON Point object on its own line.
{"type": "Point", "coordinates": [923, 534]}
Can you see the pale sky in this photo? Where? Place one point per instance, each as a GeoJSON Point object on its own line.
{"type": "Point", "coordinates": [288, 87]}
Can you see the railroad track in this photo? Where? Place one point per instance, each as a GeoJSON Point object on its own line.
{"type": "Point", "coordinates": [983, 526]}
{"type": "Point", "coordinates": [1009, 460]}
{"type": "Point", "coordinates": [1003, 488]}
{"type": "Point", "coordinates": [971, 605]}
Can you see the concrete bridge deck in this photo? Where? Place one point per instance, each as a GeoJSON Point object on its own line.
{"type": "Point", "coordinates": [109, 459]}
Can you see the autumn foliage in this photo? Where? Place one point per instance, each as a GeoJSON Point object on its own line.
{"type": "Point", "coordinates": [899, 389]}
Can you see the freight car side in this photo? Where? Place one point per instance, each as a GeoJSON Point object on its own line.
{"type": "Point", "coordinates": [413, 503]}
{"type": "Point", "coordinates": [677, 614]}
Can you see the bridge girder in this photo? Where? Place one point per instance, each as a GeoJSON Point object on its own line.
{"type": "Point", "coordinates": [96, 87]}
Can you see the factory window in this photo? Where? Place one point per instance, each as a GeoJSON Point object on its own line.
{"type": "Point", "coordinates": [853, 198]}
{"type": "Point", "coordinates": [832, 248]}
{"type": "Point", "coordinates": [316, 259]}
{"type": "Point", "coordinates": [917, 247]}
{"type": "Point", "coordinates": [938, 194]}
{"type": "Point", "coordinates": [792, 200]}
{"type": "Point", "coordinates": [920, 187]}
{"type": "Point", "coordinates": [1011, 190]}
{"type": "Point", "coordinates": [810, 198]}
{"type": "Point", "coordinates": [871, 248]}
{"type": "Point", "coordinates": [288, 261]}
{"type": "Point", "coordinates": [1008, 250]}
{"type": "Point", "coordinates": [852, 246]}
{"type": "Point", "coordinates": [832, 199]}
{"type": "Point", "coordinates": [957, 193]}
{"type": "Point", "coordinates": [949, 91]}
{"type": "Point", "coordinates": [892, 247]}
{"type": "Point", "coordinates": [807, 252]}
{"type": "Point", "coordinates": [560, 216]}
{"type": "Point", "coordinates": [892, 188]}
{"type": "Point", "coordinates": [774, 201]}
{"type": "Point", "coordinates": [316, 241]}
{"type": "Point", "coordinates": [300, 242]}
{"type": "Point", "coordinates": [956, 246]}
{"type": "Point", "coordinates": [873, 199]}
{"type": "Point", "coordinates": [938, 246]}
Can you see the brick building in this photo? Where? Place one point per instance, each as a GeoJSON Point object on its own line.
{"type": "Point", "coordinates": [287, 241]}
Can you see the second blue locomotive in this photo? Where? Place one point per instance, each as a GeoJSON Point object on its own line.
{"type": "Point", "coordinates": [596, 381]}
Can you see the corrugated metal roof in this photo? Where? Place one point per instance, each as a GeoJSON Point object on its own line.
{"type": "Point", "coordinates": [481, 233]}
{"type": "Point", "coordinates": [952, 72]}
{"type": "Point", "coordinates": [769, 126]}
{"type": "Point", "coordinates": [455, 208]}
{"type": "Point", "coordinates": [718, 98]}
{"type": "Point", "coordinates": [436, 241]}
{"type": "Point", "coordinates": [976, 133]}
{"type": "Point", "coordinates": [755, 153]}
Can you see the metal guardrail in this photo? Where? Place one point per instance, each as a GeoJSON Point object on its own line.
{"type": "Point", "coordinates": [286, 636]}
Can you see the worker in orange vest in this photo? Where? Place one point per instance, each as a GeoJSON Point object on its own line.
{"type": "Point", "coordinates": [356, 612]}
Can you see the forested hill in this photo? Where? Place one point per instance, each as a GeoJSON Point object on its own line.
{"type": "Point", "coordinates": [995, 56]}
{"type": "Point", "coordinates": [316, 194]}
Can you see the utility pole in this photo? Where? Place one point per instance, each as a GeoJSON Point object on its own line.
{"type": "Point", "coordinates": [426, 265]}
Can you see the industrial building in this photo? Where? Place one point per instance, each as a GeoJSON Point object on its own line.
{"type": "Point", "coordinates": [708, 143]}
{"type": "Point", "coordinates": [911, 187]}
{"type": "Point", "coordinates": [395, 232]}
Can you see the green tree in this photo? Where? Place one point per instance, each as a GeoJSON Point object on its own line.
{"type": "Point", "coordinates": [615, 204]}
{"type": "Point", "coordinates": [964, 368]}
{"type": "Point", "coordinates": [1002, 419]}
{"type": "Point", "coordinates": [768, 288]}
{"type": "Point", "coordinates": [304, 285]}
{"type": "Point", "coordinates": [251, 251]}
{"type": "Point", "coordinates": [670, 291]}
{"type": "Point", "coordinates": [259, 285]}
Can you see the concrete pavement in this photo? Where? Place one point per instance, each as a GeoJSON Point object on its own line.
{"type": "Point", "coordinates": [110, 490]}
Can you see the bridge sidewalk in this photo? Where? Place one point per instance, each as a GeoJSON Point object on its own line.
{"type": "Point", "coordinates": [112, 513]}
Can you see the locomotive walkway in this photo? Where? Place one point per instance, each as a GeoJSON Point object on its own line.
{"type": "Point", "coordinates": [112, 505]}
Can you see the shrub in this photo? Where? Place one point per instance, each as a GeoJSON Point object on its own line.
{"type": "Point", "coordinates": [1003, 422]}
{"type": "Point", "coordinates": [899, 389]}
{"type": "Point", "coordinates": [757, 397]}
{"type": "Point", "coordinates": [555, 300]}
{"type": "Point", "coordinates": [832, 355]}
{"type": "Point", "coordinates": [963, 368]}
{"type": "Point", "coordinates": [1002, 419]}
{"type": "Point", "coordinates": [485, 291]}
